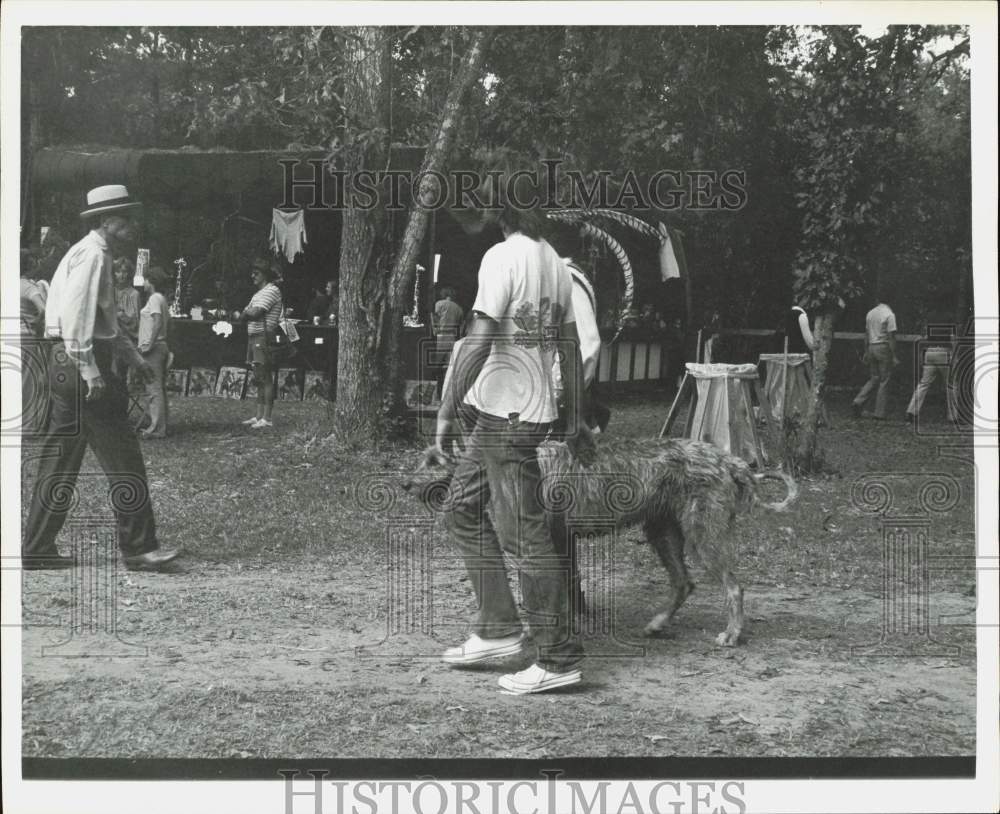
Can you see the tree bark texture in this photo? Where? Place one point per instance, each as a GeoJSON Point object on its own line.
{"type": "Point", "coordinates": [428, 194]}
{"type": "Point", "coordinates": [806, 453]}
{"type": "Point", "coordinates": [363, 262]}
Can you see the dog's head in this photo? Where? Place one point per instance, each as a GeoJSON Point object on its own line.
{"type": "Point", "coordinates": [430, 482]}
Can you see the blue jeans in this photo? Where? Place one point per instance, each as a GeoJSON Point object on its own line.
{"type": "Point", "coordinates": [500, 463]}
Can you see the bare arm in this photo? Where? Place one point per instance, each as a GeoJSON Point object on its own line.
{"type": "Point", "coordinates": [571, 366]}
{"type": "Point", "coordinates": [467, 362]}
{"type": "Point", "coordinates": [576, 433]}
{"type": "Point", "coordinates": [38, 301]}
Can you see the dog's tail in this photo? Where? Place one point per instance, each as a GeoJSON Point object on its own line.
{"type": "Point", "coordinates": [790, 484]}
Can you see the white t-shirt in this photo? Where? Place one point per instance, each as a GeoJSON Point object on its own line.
{"type": "Point", "coordinates": [156, 304]}
{"type": "Point", "coordinates": [526, 288]}
{"type": "Point", "coordinates": [879, 323]}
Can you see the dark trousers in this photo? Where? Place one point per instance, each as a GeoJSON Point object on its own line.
{"type": "Point", "coordinates": [103, 425]}
{"type": "Point", "coordinates": [500, 463]}
{"type": "Point", "coordinates": [34, 385]}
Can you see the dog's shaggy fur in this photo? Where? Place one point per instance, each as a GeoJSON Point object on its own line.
{"type": "Point", "coordinates": [685, 494]}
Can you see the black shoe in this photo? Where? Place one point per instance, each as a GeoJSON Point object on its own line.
{"type": "Point", "coordinates": [909, 418]}
{"type": "Point", "coordinates": [53, 562]}
{"type": "Point", "coordinates": [151, 561]}
{"type": "Point", "coordinates": [856, 409]}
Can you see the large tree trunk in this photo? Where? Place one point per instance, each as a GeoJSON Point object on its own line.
{"type": "Point", "coordinates": [363, 261]}
{"type": "Point", "coordinates": [435, 161]}
{"type": "Point", "coordinates": [373, 301]}
{"type": "Point", "coordinates": [806, 454]}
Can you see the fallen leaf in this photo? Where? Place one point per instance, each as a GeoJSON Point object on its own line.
{"type": "Point", "coordinates": [749, 720]}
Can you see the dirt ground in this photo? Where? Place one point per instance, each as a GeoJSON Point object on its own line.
{"type": "Point", "coordinates": [278, 635]}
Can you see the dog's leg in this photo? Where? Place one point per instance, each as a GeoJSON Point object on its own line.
{"type": "Point", "coordinates": [712, 540]}
{"type": "Point", "coordinates": [730, 637]}
{"type": "Point", "coordinates": [668, 543]}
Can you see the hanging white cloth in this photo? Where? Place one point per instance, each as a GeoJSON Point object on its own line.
{"type": "Point", "coordinates": [668, 261]}
{"type": "Point", "coordinates": [288, 233]}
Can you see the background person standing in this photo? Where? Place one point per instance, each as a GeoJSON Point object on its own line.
{"type": "Point", "coordinates": [127, 298]}
{"type": "Point", "coordinates": [880, 356]}
{"type": "Point", "coordinates": [446, 322]}
{"type": "Point", "coordinates": [262, 315]}
{"type": "Point", "coordinates": [154, 328]}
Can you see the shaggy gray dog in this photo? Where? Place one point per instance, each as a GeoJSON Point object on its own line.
{"type": "Point", "coordinates": [685, 494]}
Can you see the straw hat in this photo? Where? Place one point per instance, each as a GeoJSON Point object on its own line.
{"type": "Point", "coordinates": [107, 199]}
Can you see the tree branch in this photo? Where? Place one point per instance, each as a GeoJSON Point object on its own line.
{"type": "Point", "coordinates": [435, 160]}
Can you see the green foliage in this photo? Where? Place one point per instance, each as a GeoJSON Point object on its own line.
{"type": "Point", "coordinates": [862, 185]}
{"type": "Point", "coordinates": [856, 150]}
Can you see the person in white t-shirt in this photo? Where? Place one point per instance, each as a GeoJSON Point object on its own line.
{"type": "Point", "coordinates": [154, 331]}
{"type": "Point", "coordinates": [502, 389]}
{"type": "Point", "coordinates": [880, 356]}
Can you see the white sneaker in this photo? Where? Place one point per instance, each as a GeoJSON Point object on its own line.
{"type": "Point", "coordinates": [537, 679]}
{"type": "Point", "coordinates": [250, 421]}
{"type": "Point", "coordinates": [475, 649]}
{"type": "Point", "coordinates": [261, 423]}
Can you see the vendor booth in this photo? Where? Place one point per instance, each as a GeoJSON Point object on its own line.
{"type": "Point", "coordinates": [206, 214]}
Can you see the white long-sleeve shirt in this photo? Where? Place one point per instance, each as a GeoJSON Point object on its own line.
{"type": "Point", "coordinates": [81, 306]}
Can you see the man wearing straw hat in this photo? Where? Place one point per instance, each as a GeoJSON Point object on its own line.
{"type": "Point", "coordinates": [89, 401]}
